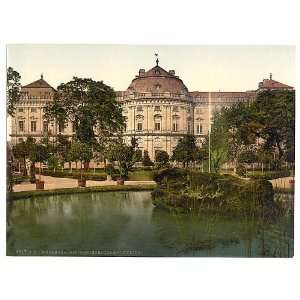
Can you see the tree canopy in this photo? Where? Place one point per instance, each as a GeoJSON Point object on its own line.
{"type": "Point", "coordinates": [186, 150]}
{"type": "Point", "coordinates": [265, 126]}
{"type": "Point", "coordinates": [13, 90]}
{"type": "Point", "coordinates": [91, 107]}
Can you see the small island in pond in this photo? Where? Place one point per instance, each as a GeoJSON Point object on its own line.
{"type": "Point", "coordinates": [184, 191]}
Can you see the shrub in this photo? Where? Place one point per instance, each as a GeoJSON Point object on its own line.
{"type": "Point", "coordinates": [75, 175]}
{"type": "Point", "coordinates": [161, 158]}
{"type": "Point", "coordinates": [170, 174]}
{"type": "Point", "coordinates": [241, 170]}
{"type": "Point", "coordinates": [268, 175]}
{"type": "Point", "coordinates": [147, 162]}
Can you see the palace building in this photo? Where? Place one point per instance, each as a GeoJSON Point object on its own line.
{"type": "Point", "coordinates": [158, 108]}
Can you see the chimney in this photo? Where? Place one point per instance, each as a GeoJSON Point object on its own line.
{"type": "Point", "coordinates": [172, 72]}
{"type": "Point", "coordinates": [142, 72]}
{"type": "Point", "coordinates": [270, 76]}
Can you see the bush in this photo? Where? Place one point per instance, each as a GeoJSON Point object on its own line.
{"type": "Point", "coordinates": [75, 175]}
{"type": "Point", "coordinates": [170, 174]}
{"type": "Point", "coordinates": [241, 171]}
{"type": "Point", "coordinates": [17, 179]}
{"type": "Point", "coordinates": [268, 175]}
{"type": "Point", "coordinates": [147, 162]}
{"type": "Point", "coordinates": [161, 159]}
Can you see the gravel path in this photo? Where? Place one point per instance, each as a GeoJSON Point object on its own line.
{"type": "Point", "coordinates": [52, 183]}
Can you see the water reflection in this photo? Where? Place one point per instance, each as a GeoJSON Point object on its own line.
{"type": "Point", "coordinates": [127, 221]}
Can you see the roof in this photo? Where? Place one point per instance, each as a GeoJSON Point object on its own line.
{"type": "Point", "coordinates": [41, 83]}
{"type": "Point", "coordinates": [157, 80]}
{"type": "Point", "coordinates": [273, 84]}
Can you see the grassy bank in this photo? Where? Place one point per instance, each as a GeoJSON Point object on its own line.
{"type": "Point", "coordinates": [112, 188]}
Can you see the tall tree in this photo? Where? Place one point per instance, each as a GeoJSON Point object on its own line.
{"type": "Point", "coordinates": [91, 107]}
{"type": "Point", "coordinates": [125, 155]}
{"type": "Point", "coordinates": [13, 90]}
{"type": "Point", "coordinates": [186, 150]}
{"type": "Point", "coordinates": [275, 113]}
{"type": "Point", "coordinates": [22, 151]}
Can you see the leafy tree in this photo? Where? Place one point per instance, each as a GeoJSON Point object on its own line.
{"type": "Point", "coordinates": [22, 151]}
{"type": "Point", "coordinates": [90, 105]}
{"type": "Point", "coordinates": [186, 150]}
{"type": "Point", "coordinates": [9, 174]}
{"type": "Point", "coordinates": [13, 90]}
{"type": "Point", "coordinates": [53, 162]}
{"type": "Point", "coordinates": [247, 157]}
{"type": "Point", "coordinates": [161, 159]}
{"type": "Point", "coordinates": [125, 155]}
{"type": "Point", "coordinates": [275, 114]}
{"type": "Point", "coordinates": [39, 154]}
{"type": "Point", "coordinates": [62, 149]}
{"type": "Point", "coordinates": [81, 152]}
{"type": "Point", "coordinates": [139, 155]}
{"type": "Point", "coordinates": [147, 162]}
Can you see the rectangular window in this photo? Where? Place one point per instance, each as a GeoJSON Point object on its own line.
{"type": "Point", "coordinates": [139, 108]}
{"type": "Point", "coordinates": [33, 110]}
{"type": "Point", "coordinates": [157, 108]}
{"type": "Point", "coordinates": [45, 126]}
{"type": "Point", "coordinates": [33, 126]}
{"type": "Point", "coordinates": [20, 140]}
{"type": "Point", "coordinates": [139, 126]}
{"type": "Point", "coordinates": [175, 108]}
{"type": "Point", "coordinates": [21, 126]}
{"type": "Point", "coordinates": [157, 126]}
{"type": "Point", "coordinates": [21, 110]}
{"type": "Point", "coordinates": [199, 128]}
{"type": "Point", "coordinates": [175, 127]}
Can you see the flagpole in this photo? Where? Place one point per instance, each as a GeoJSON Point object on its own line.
{"type": "Point", "coordinates": [209, 129]}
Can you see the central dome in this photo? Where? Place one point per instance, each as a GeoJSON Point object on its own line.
{"type": "Point", "coordinates": [157, 80]}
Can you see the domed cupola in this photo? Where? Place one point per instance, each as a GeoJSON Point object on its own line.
{"type": "Point", "coordinates": [157, 80]}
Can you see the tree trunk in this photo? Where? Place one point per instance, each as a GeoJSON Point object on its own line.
{"type": "Point", "coordinates": [25, 169]}
{"type": "Point", "coordinates": [40, 171]}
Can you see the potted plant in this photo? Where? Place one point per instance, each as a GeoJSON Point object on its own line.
{"type": "Point", "coordinates": [81, 152]}
{"type": "Point", "coordinates": [39, 155]}
{"type": "Point", "coordinates": [125, 156]}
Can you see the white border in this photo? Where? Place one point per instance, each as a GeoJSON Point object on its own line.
{"type": "Point", "coordinates": [146, 22]}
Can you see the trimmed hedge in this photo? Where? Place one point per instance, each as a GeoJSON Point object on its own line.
{"type": "Point", "coordinates": [75, 175]}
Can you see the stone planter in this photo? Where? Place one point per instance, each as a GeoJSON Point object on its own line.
{"type": "Point", "coordinates": [39, 184]}
{"type": "Point", "coordinates": [120, 181]}
{"type": "Point", "coordinates": [82, 182]}
{"type": "Point", "coordinates": [109, 178]}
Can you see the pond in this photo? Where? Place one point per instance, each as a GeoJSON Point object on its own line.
{"type": "Point", "coordinates": [127, 224]}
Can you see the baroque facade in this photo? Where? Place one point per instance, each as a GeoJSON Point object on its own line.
{"type": "Point", "coordinates": [158, 108]}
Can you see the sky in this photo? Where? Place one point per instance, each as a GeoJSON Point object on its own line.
{"type": "Point", "coordinates": [202, 68]}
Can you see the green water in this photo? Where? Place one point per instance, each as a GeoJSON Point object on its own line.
{"type": "Point", "coordinates": [126, 224]}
